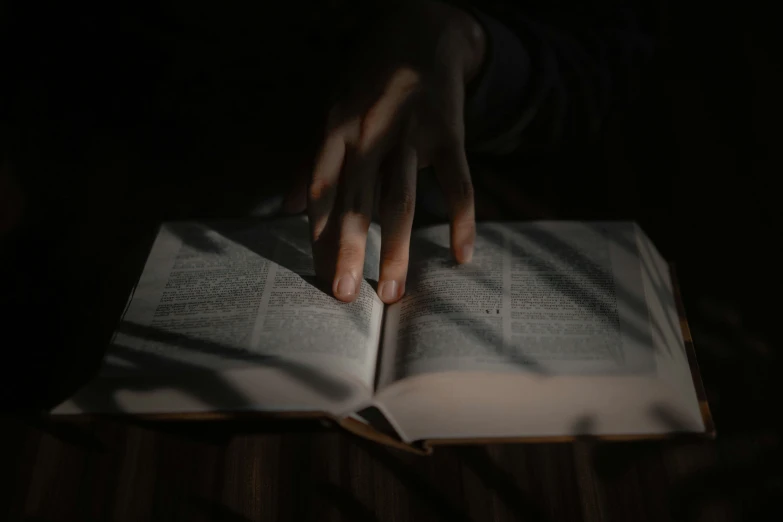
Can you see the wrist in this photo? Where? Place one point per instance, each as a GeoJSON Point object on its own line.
{"type": "Point", "coordinates": [498, 97]}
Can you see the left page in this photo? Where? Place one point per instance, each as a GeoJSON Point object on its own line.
{"type": "Point", "coordinates": [238, 303]}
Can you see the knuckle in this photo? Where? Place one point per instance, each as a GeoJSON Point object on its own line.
{"type": "Point", "coordinates": [406, 202]}
{"type": "Point", "coordinates": [356, 204]}
{"type": "Point", "coordinates": [376, 124]}
{"type": "Point", "coordinates": [350, 252]}
{"type": "Point", "coordinates": [371, 121]}
{"type": "Point", "coordinates": [464, 225]}
{"type": "Point", "coordinates": [319, 189]}
{"type": "Point", "coordinates": [354, 222]}
{"type": "Point", "coordinates": [395, 257]}
{"type": "Point", "coordinates": [401, 206]}
{"type": "Point", "coordinates": [464, 216]}
{"type": "Point", "coordinates": [372, 127]}
{"type": "Point", "coordinates": [350, 247]}
{"type": "Point", "coordinates": [405, 80]}
{"type": "Point", "coordinates": [463, 191]}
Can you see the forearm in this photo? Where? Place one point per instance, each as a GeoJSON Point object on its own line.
{"type": "Point", "coordinates": [551, 78]}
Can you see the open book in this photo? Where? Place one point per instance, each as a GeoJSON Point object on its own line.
{"type": "Point", "coordinates": [555, 329]}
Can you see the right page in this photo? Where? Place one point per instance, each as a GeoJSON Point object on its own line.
{"type": "Point", "coordinates": [572, 313]}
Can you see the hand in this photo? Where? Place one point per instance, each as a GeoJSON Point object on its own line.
{"type": "Point", "coordinates": [403, 111]}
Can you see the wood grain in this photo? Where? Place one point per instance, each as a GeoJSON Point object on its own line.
{"type": "Point", "coordinates": [692, 164]}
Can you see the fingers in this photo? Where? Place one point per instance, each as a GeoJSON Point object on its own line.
{"type": "Point", "coordinates": [350, 159]}
{"type": "Point", "coordinates": [358, 192]}
{"type": "Point", "coordinates": [340, 203]}
{"type": "Point", "coordinates": [397, 208]}
{"type": "Point", "coordinates": [451, 169]}
{"type": "Point", "coordinates": [323, 186]}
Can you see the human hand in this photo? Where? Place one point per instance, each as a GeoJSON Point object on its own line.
{"type": "Point", "coordinates": [403, 111]}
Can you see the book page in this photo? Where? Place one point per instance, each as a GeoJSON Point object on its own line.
{"type": "Point", "coordinates": [555, 329]}
{"type": "Point", "coordinates": [546, 297]}
{"type": "Point", "coordinates": [226, 297]}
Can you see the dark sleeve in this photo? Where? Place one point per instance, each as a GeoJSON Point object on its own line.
{"type": "Point", "coordinates": [553, 73]}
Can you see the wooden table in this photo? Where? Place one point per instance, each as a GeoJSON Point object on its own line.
{"type": "Point", "coordinates": [96, 470]}
{"type": "Point", "coordinates": [714, 113]}
{"type": "Point", "coordinates": [112, 470]}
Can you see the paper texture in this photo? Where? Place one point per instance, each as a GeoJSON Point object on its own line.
{"type": "Point", "coordinates": [230, 300]}
{"type": "Point", "coordinates": [557, 329]}
{"type": "Point", "coordinates": [542, 297]}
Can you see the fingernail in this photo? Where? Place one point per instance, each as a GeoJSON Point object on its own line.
{"type": "Point", "coordinates": [389, 290]}
{"type": "Point", "coordinates": [467, 253]}
{"type": "Point", "coordinates": [345, 287]}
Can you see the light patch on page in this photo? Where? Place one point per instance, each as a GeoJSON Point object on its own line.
{"type": "Point", "coordinates": [541, 297]}
{"type": "Point", "coordinates": [232, 294]}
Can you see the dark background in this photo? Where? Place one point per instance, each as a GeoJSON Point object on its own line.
{"type": "Point", "coordinates": [114, 124]}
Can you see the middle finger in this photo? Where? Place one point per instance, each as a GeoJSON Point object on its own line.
{"type": "Point", "coordinates": [358, 191]}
